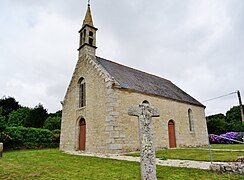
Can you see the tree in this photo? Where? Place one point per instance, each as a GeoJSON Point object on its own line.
{"type": "Point", "coordinates": [18, 117]}
{"type": "Point", "coordinates": [235, 126]}
{"type": "Point", "coordinates": [219, 123]}
{"type": "Point", "coordinates": [8, 104]}
{"type": "Point", "coordinates": [36, 117]}
{"type": "Point", "coordinates": [52, 123]}
{"type": "Point", "coordinates": [56, 114]}
{"type": "Point", "coordinates": [233, 115]}
{"type": "Point", "coordinates": [2, 121]}
{"type": "Point", "coordinates": [216, 124]}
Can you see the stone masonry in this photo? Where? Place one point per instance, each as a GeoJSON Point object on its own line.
{"type": "Point", "coordinates": [145, 112]}
{"type": "Point", "coordinates": [233, 168]}
{"type": "Point", "coordinates": [109, 128]}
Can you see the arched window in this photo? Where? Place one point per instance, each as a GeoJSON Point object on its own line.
{"type": "Point", "coordinates": [190, 117]}
{"type": "Point", "coordinates": [82, 92]}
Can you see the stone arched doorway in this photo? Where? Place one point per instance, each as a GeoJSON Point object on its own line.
{"type": "Point", "coordinates": [82, 134]}
{"type": "Point", "coordinates": [171, 131]}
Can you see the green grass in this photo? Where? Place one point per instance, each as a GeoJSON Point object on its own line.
{"type": "Point", "coordinates": [228, 146]}
{"type": "Point", "coordinates": [53, 164]}
{"type": "Point", "coordinates": [200, 154]}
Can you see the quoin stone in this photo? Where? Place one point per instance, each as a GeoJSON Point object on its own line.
{"type": "Point", "coordinates": [1, 150]}
{"type": "Point", "coordinates": [145, 112]}
{"type": "Point", "coordinates": [95, 107]}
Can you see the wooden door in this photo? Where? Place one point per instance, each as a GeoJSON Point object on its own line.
{"type": "Point", "coordinates": [82, 137]}
{"type": "Point", "coordinates": [172, 139]}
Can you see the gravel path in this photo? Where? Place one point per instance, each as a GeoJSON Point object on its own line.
{"type": "Point", "coordinates": [169, 162]}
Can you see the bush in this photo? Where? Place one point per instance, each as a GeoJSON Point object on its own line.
{"type": "Point", "coordinates": [52, 123]}
{"type": "Point", "coordinates": [18, 117]}
{"type": "Point", "coordinates": [29, 138]}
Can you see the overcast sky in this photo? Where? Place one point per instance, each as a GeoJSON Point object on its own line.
{"type": "Point", "coordinates": [197, 44]}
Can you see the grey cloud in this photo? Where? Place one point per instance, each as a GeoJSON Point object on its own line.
{"type": "Point", "coordinates": [198, 45]}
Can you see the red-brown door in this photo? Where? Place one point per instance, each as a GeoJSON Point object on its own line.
{"type": "Point", "coordinates": [172, 139]}
{"type": "Point", "coordinates": [82, 141]}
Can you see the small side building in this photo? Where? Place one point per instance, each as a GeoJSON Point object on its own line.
{"type": "Point", "coordinates": [95, 108]}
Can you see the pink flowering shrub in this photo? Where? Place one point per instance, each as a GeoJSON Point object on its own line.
{"type": "Point", "coordinates": [230, 135]}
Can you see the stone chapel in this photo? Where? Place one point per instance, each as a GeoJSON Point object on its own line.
{"type": "Point", "coordinates": [95, 108]}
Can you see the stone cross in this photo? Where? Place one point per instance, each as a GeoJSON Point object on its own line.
{"type": "Point", "coordinates": [1, 150]}
{"type": "Point", "coordinates": [145, 112]}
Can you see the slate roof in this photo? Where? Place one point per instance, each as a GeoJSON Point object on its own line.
{"type": "Point", "coordinates": [135, 80]}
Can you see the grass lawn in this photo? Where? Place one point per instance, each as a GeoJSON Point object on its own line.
{"type": "Point", "coordinates": [228, 146]}
{"type": "Point", "coordinates": [53, 164]}
{"type": "Point", "coordinates": [201, 154]}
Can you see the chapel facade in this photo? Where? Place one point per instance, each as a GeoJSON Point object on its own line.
{"type": "Point", "coordinates": [95, 108]}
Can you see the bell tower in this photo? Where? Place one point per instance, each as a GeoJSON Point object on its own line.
{"type": "Point", "coordinates": [87, 35]}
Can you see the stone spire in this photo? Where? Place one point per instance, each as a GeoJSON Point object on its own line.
{"type": "Point", "coordinates": [88, 17]}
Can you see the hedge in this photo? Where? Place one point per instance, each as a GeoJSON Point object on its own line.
{"type": "Point", "coordinates": [29, 138]}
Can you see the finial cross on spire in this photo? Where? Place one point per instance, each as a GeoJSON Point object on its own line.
{"type": "Point", "coordinates": [89, 1]}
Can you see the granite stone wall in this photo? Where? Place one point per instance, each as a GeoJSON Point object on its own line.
{"type": "Point", "coordinates": [94, 113]}
{"type": "Point", "coordinates": [127, 126]}
{"type": "Point", "coordinates": [233, 168]}
{"type": "Point", "coordinates": [109, 128]}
